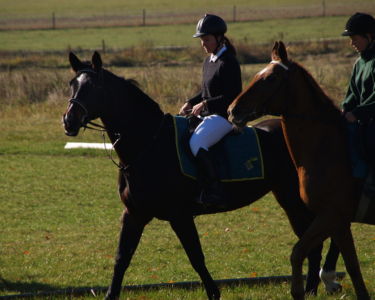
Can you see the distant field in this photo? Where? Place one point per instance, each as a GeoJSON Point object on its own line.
{"type": "Point", "coordinates": [166, 35]}
{"type": "Point", "coordinates": [40, 8]}
{"type": "Point", "coordinates": [84, 13]}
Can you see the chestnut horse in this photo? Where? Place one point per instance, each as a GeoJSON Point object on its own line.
{"type": "Point", "coordinates": [151, 184]}
{"type": "Point", "coordinates": [316, 139]}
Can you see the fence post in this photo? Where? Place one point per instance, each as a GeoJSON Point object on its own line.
{"type": "Point", "coordinates": [324, 7]}
{"type": "Point", "coordinates": [103, 46]}
{"type": "Point", "coordinates": [53, 21]}
{"type": "Point", "coordinates": [234, 13]}
{"type": "Point", "coordinates": [144, 17]}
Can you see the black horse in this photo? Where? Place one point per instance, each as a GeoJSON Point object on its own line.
{"type": "Point", "coordinates": [150, 181]}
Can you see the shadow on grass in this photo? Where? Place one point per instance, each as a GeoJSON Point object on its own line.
{"type": "Point", "coordinates": [23, 290]}
{"type": "Point", "coordinates": [24, 287]}
{"type": "Point", "coordinates": [32, 289]}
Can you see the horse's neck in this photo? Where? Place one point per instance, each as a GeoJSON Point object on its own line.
{"type": "Point", "coordinates": [319, 151]}
{"type": "Point", "coordinates": [131, 140]}
{"type": "Point", "coordinates": [133, 131]}
{"type": "Point", "coordinates": [312, 131]}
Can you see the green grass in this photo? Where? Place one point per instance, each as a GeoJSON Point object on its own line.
{"type": "Point", "coordinates": [60, 213]}
{"type": "Point", "coordinates": [166, 35]}
{"type": "Point", "coordinates": [40, 8]}
{"type": "Point", "coordinates": [60, 219]}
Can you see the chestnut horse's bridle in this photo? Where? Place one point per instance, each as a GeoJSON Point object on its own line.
{"type": "Point", "coordinates": [263, 111]}
{"type": "Point", "coordinates": [285, 113]}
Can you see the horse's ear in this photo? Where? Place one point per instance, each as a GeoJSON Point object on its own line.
{"type": "Point", "coordinates": [75, 63]}
{"type": "Point", "coordinates": [96, 61]}
{"type": "Point", "coordinates": [283, 54]}
{"type": "Point", "coordinates": [279, 52]}
{"type": "Point", "coordinates": [275, 53]}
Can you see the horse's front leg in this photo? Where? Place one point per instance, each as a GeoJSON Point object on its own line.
{"type": "Point", "coordinates": [131, 232]}
{"type": "Point", "coordinates": [187, 233]}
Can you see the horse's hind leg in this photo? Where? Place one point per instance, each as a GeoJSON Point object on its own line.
{"type": "Point", "coordinates": [313, 237]}
{"type": "Point", "coordinates": [187, 233]}
{"type": "Point", "coordinates": [131, 232]}
{"type": "Point", "coordinates": [344, 240]}
{"type": "Point", "coordinates": [300, 219]}
{"type": "Point", "coordinates": [328, 272]}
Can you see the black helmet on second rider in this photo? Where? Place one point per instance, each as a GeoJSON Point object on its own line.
{"type": "Point", "coordinates": [359, 23]}
{"type": "Point", "coordinates": [210, 24]}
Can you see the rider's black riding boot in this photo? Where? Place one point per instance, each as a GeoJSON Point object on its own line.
{"type": "Point", "coordinates": [212, 193]}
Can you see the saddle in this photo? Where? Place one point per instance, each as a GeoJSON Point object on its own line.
{"type": "Point", "coordinates": [238, 156]}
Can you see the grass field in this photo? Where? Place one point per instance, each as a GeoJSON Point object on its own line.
{"type": "Point", "coordinates": [60, 218]}
{"type": "Point", "coordinates": [60, 213]}
{"type": "Point", "coordinates": [20, 14]}
{"type": "Point", "coordinates": [69, 7]}
{"type": "Point", "coordinates": [163, 35]}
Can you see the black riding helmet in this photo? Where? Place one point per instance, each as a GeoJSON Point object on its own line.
{"type": "Point", "coordinates": [210, 24]}
{"type": "Point", "coordinates": [359, 23]}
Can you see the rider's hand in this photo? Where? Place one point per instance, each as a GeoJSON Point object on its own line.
{"type": "Point", "coordinates": [197, 109]}
{"type": "Point", "coordinates": [185, 109]}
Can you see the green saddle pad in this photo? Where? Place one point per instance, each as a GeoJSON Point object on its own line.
{"type": "Point", "coordinates": [238, 156]}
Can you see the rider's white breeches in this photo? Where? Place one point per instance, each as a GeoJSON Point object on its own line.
{"type": "Point", "coordinates": [211, 130]}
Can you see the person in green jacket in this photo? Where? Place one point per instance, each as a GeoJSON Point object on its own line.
{"type": "Point", "coordinates": [359, 103]}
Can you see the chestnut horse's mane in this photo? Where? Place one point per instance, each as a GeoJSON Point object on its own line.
{"type": "Point", "coordinates": [323, 101]}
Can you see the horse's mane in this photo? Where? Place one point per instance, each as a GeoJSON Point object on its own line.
{"type": "Point", "coordinates": [131, 86]}
{"type": "Point", "coordinates": [322, 98]}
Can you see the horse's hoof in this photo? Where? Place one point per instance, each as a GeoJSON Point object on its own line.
{"type": "Point", "coordinates": [333, 287]}
{"type": "Point", "coordinates": [330, 283]}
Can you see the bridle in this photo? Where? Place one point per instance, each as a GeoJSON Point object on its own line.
{"type": "Point", "coordinates": [74, 100]}
{"type": "Point", "coordinates": [98, 127]}
{"type": "Point", "coordinates": [84, 121]}
{"type": "Point", "coordinates": [261, 111]}
{"type": "Point", "coordinates": [285, 112]}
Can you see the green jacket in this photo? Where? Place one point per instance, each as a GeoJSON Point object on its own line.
{"type": "Point", "coordinates": [360, 97]}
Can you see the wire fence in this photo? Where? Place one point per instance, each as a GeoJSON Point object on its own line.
{"type": "Point", "coordinates": [144, 17]}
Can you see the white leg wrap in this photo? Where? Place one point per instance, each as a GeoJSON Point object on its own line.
{"type": "Point", "coordinates": [329, 280]}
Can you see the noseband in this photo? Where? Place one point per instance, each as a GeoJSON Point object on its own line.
{"type": "Point", "coordinates": [84, 120]}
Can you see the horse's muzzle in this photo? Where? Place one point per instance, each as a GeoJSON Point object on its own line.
{"type": "Point", "coordinates": [70, 129]}
{"type": "Point", "coordinates": [72, 120]}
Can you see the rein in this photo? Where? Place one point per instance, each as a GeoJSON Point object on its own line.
{"type": "Point", "coordinates": [103, 129]}
{"type": "Point", "coordinates": [97, 127]}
